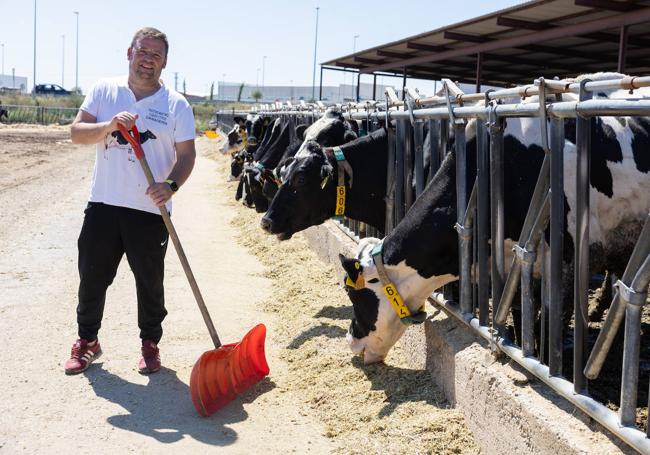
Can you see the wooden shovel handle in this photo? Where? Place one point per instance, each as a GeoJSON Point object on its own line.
{"type": "Point", "coordinates": [139, 152]}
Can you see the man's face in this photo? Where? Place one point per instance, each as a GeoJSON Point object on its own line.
{"type": "Point", "coordinates": [147, 59]}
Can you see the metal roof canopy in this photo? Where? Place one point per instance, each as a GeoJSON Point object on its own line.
{"type": "Point", "coordinates": [546, 38]}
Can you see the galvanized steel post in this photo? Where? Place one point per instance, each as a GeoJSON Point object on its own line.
{"type": "Point", "coordinates": [581, 285]}
{"type": "Point", "coordinates": [556, 293]}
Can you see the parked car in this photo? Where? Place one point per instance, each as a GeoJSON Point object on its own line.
{"type": "Point", "coordinates": [50, 89]}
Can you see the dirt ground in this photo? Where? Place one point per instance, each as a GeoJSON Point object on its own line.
{"type": "Point", "coordinates": [317, 399]}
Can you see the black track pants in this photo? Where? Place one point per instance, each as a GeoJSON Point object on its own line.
{"type": "Point", "coordinates": [107, 233]}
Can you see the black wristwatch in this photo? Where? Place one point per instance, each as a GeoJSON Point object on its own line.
{"type": "Point", "coordinates": [172, 184]}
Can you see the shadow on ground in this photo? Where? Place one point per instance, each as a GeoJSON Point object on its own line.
{"type": "Point", "coordinates": [401, 385]}
{"type": "Point", "coordinates": [163, 409]}
{"type": "Point", "coordinates": [328, 330]}
{"type": "Point", "coordinates": [335, 312]}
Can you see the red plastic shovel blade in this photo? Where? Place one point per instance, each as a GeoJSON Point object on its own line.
{"type": "Point", "coordinates": [221, 374]}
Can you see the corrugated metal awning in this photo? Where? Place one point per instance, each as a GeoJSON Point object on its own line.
{"type": "Point", "coordinates": [538, 38]}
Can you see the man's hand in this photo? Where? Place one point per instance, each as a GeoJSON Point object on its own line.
{"type": "Point", "coordinates": [159, 193]}
{"type": "Point", "coordinates": [86, 130]}
{"type": "Point", "coordinates": [125, 119]}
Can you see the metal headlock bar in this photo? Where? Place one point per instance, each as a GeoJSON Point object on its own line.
{"type": "Point", "coordinates": [447, 112]}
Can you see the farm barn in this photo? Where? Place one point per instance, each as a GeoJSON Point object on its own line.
{"type": "Point", "coordinates": [565, 332]}
{"type": "Point", "coordinates": [513, 231]}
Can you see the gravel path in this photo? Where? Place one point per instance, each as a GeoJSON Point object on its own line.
{"type": "Point", "coordinates": [111, 408]}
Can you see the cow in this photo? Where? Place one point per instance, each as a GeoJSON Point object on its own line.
{"type": "Point", "coordinates": [421, 254]}
{"type": "Point", "coordinates": [330, 130]}
{"type": "Point", "coordinates": [260, 132]}
{"type": "Point", "coordinates": [259, 179]}
{"type": "Point", "coordinates": [3, 112]}
{"type": "Point", "coordinates": [236, 136]}
{"type": "Point", "coordinates": [266, 160]}
{"type": "Point", "coordinates": [307, 196]}
{"type": "Point", "coordinates": [271, 140]}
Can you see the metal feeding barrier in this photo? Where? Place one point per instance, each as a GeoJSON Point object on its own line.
{"type": "Point", "coordinates": [484, 299]}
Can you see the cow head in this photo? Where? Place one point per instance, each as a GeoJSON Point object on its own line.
{"type": "Point", "coordinates": [252, 180]}
{"type": "Point", "coordinates": [258, 127]}
{"type": "Point", "coordinates": [306, 196]}
{"type": "Point", "coordinates": [330, 130]}
{"type": "Point", "coordinates": [375, 327]}
{"type": "Point", "coordinates": [237, 163]}
{"type": "Point", "coordinates": [257, 176]}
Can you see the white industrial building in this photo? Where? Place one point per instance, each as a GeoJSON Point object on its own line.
{"type": "Point", "coordinates": [12, 82]}
{"type": "Point", "coordinates": [228, 91]}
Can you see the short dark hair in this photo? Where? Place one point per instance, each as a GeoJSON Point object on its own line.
{"type": "Point", "coordinates": [150, 32]}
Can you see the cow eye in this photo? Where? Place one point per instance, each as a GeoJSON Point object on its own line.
{"type": "Point", "coordinates": [373, 280]}
{"type": "Point", "coordinates": [299, 180]}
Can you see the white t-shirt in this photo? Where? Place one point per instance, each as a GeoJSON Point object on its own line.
{"type": "Point", "coordinates": [164, 119]}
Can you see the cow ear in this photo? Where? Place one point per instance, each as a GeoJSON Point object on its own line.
{"type": "Point", "coordinates": [325, 174]}
{"type": "Point", "coordinates": [300, 132]}
{"type": "Point", "coordinates": [354, 272]}
{"type": "Point", "coordinates": [349, 136]}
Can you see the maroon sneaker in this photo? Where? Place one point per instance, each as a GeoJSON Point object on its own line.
{"type": "Point", "coordinates": [150, 361]}
{"type": "Point", "coordinates": [82, 356]}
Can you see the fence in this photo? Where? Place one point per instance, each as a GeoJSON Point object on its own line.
{"type": "Point", "coordinates": [65, 115]}
{"type": "Point", "coordinates": [485, 298]}
{"type": "Point", "coordinates": [39, 114]}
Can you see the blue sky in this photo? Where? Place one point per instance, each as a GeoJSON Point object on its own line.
{"type": "Point", "coordinates": [211, 38]}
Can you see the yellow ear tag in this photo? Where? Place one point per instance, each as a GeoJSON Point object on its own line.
{"type": "Point", "coordinates": [357, 265]}
{"type": "Point", "coordinates": [359, 284]}
{"type": "Point", "coordinates": [340, 200]}
{"type": "Point", "coordinates": [396, 301]}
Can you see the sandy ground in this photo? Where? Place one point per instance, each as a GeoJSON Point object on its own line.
{"type": "Point", "coordinates": [111, 408]}
{"type": "Point", "coordinates": [317, 399]}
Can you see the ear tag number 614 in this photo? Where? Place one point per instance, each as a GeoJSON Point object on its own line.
{"type": "Point", "coordinates": [396, 300]}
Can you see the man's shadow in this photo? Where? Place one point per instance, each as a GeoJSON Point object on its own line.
{"type": "Point", "coordinates": [163, 409]}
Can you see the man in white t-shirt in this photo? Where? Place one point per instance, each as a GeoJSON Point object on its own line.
{"type": "Point", "coordinates": [123, 215]}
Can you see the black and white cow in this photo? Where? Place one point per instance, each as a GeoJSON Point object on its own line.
{"type": "Point", "coordinates": [234, 135]}
{"type": "Point", "coordinates": [303, 201]}
{"type": "Point", "coordinates": [330, 130]}
{"type": "Point", "coordinates": [255, 172]}
{"type": "Point", "coordinates": [260, 133]}
{"type": "Point", "coordinates": [421, 253]}
{"type": "Point", "coordinates": [3, 112]}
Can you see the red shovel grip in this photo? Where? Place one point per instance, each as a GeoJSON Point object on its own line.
{"type": "Point", "coordinates": [134, 139]}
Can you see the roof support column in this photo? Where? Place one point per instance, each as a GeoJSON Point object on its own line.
{"type": "Point", "coordinates": [622, 47]}
{"type": "Point", "coordinates": [479, 62]}
{"type": "Point", "coordinates": [374, 86]}
{"type": "Point", "coordinates": [320, 86]}
{"type": "Point", "coordinates": [404, 84]}
{"type": "Point", "coordinates": [358, 84]}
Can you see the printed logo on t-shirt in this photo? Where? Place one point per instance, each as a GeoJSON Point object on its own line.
{"type": "Point", "coordinates": [116, 140]}
{"type": "Point", "coordinates": [157, 116]}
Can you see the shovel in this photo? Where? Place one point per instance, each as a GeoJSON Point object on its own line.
{"type": "Point", "coordinates": [228, 370]}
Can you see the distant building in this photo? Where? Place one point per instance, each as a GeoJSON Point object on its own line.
{"type": "Point", "coordinates": [228, 91]}
{"type": "Point", "coordinates": [9, 81]}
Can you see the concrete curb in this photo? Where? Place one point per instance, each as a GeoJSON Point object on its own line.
{"type": "Point", "coordinates": [507, 410]}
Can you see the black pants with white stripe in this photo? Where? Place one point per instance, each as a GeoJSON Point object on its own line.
{"type": "Point", "coordinates": [107, 233]}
